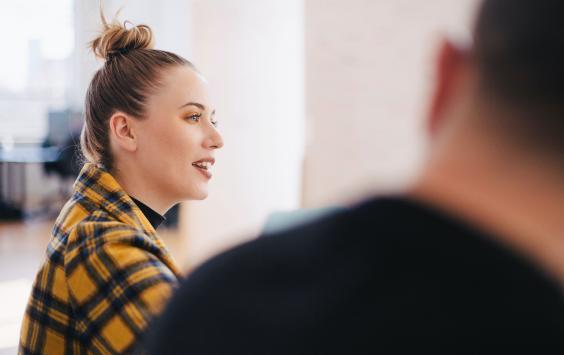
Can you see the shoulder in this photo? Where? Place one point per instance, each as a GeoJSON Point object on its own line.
{"type": "Point", "coordinates": [366, 265]}
{"type": "Point", "coordinates": [99, 229]}
{"type": "Point", "coordinates": [371, 223]}
{"type": "Point", "coordinates": [104, 256]}
{"type": "Point", "coordinates": [100, 238]}
{"type": "Point", "coordinates": [311, 250]}
{"type": "Point", "coordinates": [290, 276]}
{"type": "Point", "coordinates": [95, 232]}
{"type": "Point", "coordinates": [391, 237]}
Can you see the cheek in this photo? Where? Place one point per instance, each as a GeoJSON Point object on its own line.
{"type": "Point", "coordinates": [156, 146]}
{"type": "Point", "coordinates": [178, 145]}
{"type": "Point", "coordinates": [161, 137]}
{"type": "Point", "coordinates": [185, 140]}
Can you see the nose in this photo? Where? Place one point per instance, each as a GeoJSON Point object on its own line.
{"type": "Point", "coordinates": [214, 140]}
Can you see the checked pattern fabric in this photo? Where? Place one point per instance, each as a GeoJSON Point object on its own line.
{"type": "Point", "coordinates": [105, 275]}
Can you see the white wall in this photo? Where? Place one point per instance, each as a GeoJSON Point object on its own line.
{"type": "Point", "coordinates": [368, 68]}
{"type": "Point", "coordinates": [170, 21]}
{"type": "Point", "coordinates": [252, 54]}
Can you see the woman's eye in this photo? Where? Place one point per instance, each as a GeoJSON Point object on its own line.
{"type": "Point", "coordinates": [194, 118]}
{"type": "Point", "coordinates": [215, 123]}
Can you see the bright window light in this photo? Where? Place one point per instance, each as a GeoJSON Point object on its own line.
{"type": "Point", "coordinates": [29, 28]}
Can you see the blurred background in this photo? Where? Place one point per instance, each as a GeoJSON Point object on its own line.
{"type": "Point", "coordinates": [320, 103]}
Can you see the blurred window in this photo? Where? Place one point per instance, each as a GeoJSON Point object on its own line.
{"type": "Point", "coordinates": [37, 37]}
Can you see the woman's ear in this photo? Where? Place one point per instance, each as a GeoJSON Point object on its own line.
{"type": "Point", "coordinates": [122, 131]}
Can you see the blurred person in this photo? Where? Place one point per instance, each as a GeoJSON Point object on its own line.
{"type": "Point", "coordinates": [149, 139]}
{"type": "Point", "coordinates": [469, 260]}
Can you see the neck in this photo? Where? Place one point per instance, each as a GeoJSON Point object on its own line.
{"type": "Point", "coordinates": [135, 185]}
{"type": "Point", "coordinates": [518, 199]}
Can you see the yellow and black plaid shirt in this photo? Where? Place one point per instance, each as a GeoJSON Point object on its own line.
{"type": "Point", "coordinates": [106, 274]}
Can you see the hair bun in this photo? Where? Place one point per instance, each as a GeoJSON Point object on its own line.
{"type": "Point", "coordinates": [116, 38]}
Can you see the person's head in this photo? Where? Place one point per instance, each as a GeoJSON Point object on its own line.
{"type": "Point", "coordinates": [148, 115]}
{"type": "Point", "coordinates": [511, 77]}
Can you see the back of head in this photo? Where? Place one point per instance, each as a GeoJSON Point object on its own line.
{"type": "Point", "coordinates": [519, 50]}
{"type": "Point", "coordinates": [130, 74]}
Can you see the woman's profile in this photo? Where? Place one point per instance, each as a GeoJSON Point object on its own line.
{"type": "Point", "coordinates": [149, 139]}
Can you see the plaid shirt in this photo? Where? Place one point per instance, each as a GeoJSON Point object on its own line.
{"type": "Point", "coordinates": [106, 274]}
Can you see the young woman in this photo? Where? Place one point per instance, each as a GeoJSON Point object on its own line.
{"type": "Point", "coordinates": [149, 138]}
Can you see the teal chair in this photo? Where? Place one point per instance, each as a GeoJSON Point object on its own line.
{"type": "Point", "coordinates": [280, 221]}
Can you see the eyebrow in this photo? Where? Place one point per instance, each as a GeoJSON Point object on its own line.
{"type": "Point", "coordinates": [198, 105]}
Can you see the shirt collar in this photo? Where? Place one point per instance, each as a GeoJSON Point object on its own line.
{"type": "Point", "coordinates": [97, 187]}
{"type": "Point", "coordinates": [153, 217]}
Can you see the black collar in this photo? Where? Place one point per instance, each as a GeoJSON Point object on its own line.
{"type": "Point", "coordinates": [154, 218]}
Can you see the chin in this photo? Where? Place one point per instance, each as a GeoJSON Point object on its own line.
{"type": "Point", "coordinates": [197, 195]}
{"type": "Point", "coordinates": [200, 198]}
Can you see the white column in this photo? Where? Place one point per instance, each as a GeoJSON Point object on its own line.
{"type": "Point", "coordinates": [252, 54]}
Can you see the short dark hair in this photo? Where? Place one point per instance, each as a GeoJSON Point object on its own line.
{"type": "Point", "coordinates": [519, 50]}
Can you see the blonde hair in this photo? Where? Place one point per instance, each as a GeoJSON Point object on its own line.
{"type": "Point", "coordinates": [129, 75]}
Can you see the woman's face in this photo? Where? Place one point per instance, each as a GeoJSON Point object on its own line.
{"type": "Point", "coordinates": [178, 138]}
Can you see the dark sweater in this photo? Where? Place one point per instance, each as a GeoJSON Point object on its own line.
{"type": "Point", "coordinates": [389, 276]}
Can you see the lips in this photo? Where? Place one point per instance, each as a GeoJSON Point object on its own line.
{"type": "Point", "coordinates": [204, 166]}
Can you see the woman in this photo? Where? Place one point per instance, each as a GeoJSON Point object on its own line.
{"type": "Point", "coordinates": [149, 138]}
